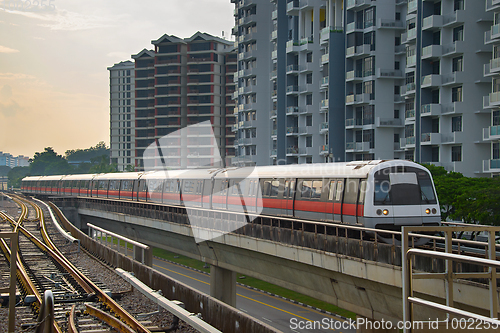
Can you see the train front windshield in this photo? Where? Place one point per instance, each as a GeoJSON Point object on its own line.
{"type": "Point", "coordinates": [403, 186]}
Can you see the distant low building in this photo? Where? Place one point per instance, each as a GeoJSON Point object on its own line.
{"type": "Point", "coordinates": [12, 162]}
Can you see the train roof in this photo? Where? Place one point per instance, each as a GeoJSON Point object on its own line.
{"type": "Point", "coordinates": [341, 169]}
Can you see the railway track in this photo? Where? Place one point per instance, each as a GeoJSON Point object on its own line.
{"type": "Point", "coordinates": [62, 298]}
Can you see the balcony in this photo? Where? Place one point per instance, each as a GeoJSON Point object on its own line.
{"type": "Point", "coordinates": [352, 123]}
{"type": "Point", "coordinates": [432, 51]}
{"type": "Point", "coordinates": [491, 133]}
{"type": "Point", "coordinates": [411, 34]}
{"type": "Point", "coordinates": [433, 22]}
{"type": "Point", "coordinates": [412, 6]}
{"type": "Point", "coordinates": [292, 89]}
{"type": "Point", "coordinates": [324, 104]}
{"type": "Point", "coordinates": [430, 110]}
{"type": "Point", "coordinates": [274, 14]}
{"type": "Point", "coordinates": [454, 48]}
{"type": "Point", "coordinates": [292, 151]}
{"type": "Point", "coordinates": [495, 65]}
{"type": "Point", "coordinates": [274, 35]}
{"type": "Point", "coordinates": [455, 19]}
{"type": "Point", "coordinates": [292, 110]}
{"type": "Point", "coordinates": [390, 24]}
{"type": "Point", "coordinates": [430, 139]}
{"type": "Point", "coordinates": [274, 54]}
{"type": "Point", "coordinates": [325, 33]}
{"type": "Point", "coordinates": [410, 88]}
{"type": "Point", "coordinates": [409, 141]}
{"type": "Point", "coordinates": [358, 99]}
{"type": "Point", "coordinates": [388, 122]}
{"type": "Point", "coordinates": [324, 81]}
{"type": "Point", "coordinates": [495, 31]}
{"type": "Point", "coordinates": [325, 58]}
{"type": "Point", "coordinates": [292, 130]}
{"type": "Point", "coordinates": [323, 128]}
{"type": "Point", "coordinates": [454, 78]}
{"type": "Point", "coordinates": [411, 61]}
{"type": "Point", "coordinates": [292, 8]}
{"type": "Point", "coordinates": [357, 146]}
{"type": "Point", "coordinates": [492, 5]}
{"type": "Point", "coordinates": [409, 114]}
{"type": "Point", "coordinates": [291, 69]}
{"type": "Point", "coordinates": [323, 150]}
{"type": "Point", "coordinates": [432, 80]}
{"type": "Point", "coordinates": [451, 138]}
{"type": "Point", "coordinates": [292, 46]}
{"type": "Point", "coordinates": [389, 74]}
{"type": "Point", "coordinates": [491, 166]}
{"type": "Point", "coordinates": [354, 76]}
{"type": "Point", "coordinates": [495, 99]}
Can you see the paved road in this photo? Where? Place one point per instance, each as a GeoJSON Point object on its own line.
{"type": "Point", "coordinates": [276, 312]}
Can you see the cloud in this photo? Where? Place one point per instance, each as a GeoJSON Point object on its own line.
{"type": "Point", "coordinates": [66, 20]}
{"type": "Point", "coordinates": [6, 92]}
{"type": "Point", "coordinates": [5, 49]}
{"type": "Point", "coordinates": [10, 109]}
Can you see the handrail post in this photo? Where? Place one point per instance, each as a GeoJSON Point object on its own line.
{"type": "Point", "coordinates": [405, 278]}
{"type": "Point", "coordinates": [493, 279]}
{"type": "Point", "coordinates": [449, 270]}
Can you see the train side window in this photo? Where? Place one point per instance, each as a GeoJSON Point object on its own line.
{"type": "Point", "coordinates": [275, 185]}
{"type": "Point", "coordinates": [382, 192]}
{"type": "Point", "coordinates": [339, 190]}
{"type": "Point", "coordinates": [305, 191]}
{"type": "Point", "coordinates": [94, 185]}
{"type": "Point", "coordinates": [199, 187]}
{"type": "Point", "coordinates": [252, 188]}
{"type": "Point", "coordinates": [267, 188]}
{"type": "Point", "coordinates": [188, 186]}
{"type": "Point", "coordinates": [362, 192]}
{"type": "Point", "coordinates": [331, 192]}
{"type": "Point", "coordinates": [317, 186]}
{"type": "Point", "coordinates": [351, 191]}
{"type": "Point", "coordinates": [223, 187]}
{"type": "Point", "coordinates": [286, 189]}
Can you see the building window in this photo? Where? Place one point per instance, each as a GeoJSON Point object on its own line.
{"type": "Point", "coordinates": [435, 154]}
{"type": "Point", "coordinates": [496, 151]}
{"type": "Point", "coordinates": [458, 5]}
{"type": "Point", "coordinates": [309, 78]}
{"type": "Point", "coordinates": [456, 124]}
{"type": "Point", "coordinates": [369, 66]}
{"type": "Point", "coordinates": [458, 33]}
{"type": "Point", "coordinates": [458, 64]}
{"type": "Point", "coordinates": [309, 159]}
{"type": "Point", "coordinates": [309, 99]}
{"type": "Point", "coordinates": [309, 141]}
{"type": "Point", "coordinates": [456, 153]}
{"type": "Point", "coordinates": [456, 94]}
{"type": "Point", "coordinates": [369, 17]}
{"type": "Point", "coordinates": [496, 85]}
{"type": "Point", "coordinates": [369, 88]}
{"type": "Point", "coordinates": [309, 120]}
{"type": "Point", "coordinates": [496, 118]}
{"type": "Point", "coordinates": [369, 39]}
{"type": "Point", "coordinates": [409, 155]}
{"type": "Point", "coordinates": [309, 57]}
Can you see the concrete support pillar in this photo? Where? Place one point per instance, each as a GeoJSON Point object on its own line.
{"type": "Point", "coordinates": [223, 285]}
{"type": "Point", "coordinates": [372, 326]}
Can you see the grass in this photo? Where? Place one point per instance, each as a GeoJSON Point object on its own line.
{"type": "Point", "coordinates": [256, 283]}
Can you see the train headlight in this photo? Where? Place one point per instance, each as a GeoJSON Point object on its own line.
{"type": "Point", "coordinates": [379, 211]}
{"type": "Point", "coordinates": [434, 211]}
{"type": "Point", "coordinates": [427, 211]}
{"type": "Point", "coordinates": [385, 211]}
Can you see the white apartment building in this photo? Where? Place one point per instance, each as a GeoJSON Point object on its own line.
{"type": "Point", "coordinates": [122, 114]}
{"type": "Point", "coordinates": [491, 133]}
{"type": "Point", "coordinates": [366, 79]}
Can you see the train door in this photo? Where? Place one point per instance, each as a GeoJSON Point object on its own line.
{"type": "Point", "coordinates": [288, 197]}
{"type": "Point", "coordinates": [350, 202]}
{"type": "Point", "coordinates": [334, 200]}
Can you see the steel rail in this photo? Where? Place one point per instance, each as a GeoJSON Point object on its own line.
{"type": "Point", "coordinates": [86, 283]}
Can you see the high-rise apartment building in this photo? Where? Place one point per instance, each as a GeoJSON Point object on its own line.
{"type": "Point", "coordinates": [180, 83]}
{"type": "Point", "coordinates": [358, 80]}
{"type": "Point", "coordinates": [122, 114]}
{"type": "Point", "coordinates": [491, 133]}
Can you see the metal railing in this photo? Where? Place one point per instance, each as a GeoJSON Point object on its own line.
{"type": "Point", "coordinates": [101, 234]}
{"type": "Point", "coordinates": [449, 275]}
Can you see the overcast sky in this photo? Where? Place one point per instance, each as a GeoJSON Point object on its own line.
{"type": "Point", "coordinates": [54, 82]}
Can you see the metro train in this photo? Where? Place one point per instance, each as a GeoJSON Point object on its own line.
{"type": "Point", "coordinates": [376, 194]}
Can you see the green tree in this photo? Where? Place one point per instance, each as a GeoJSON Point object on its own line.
{"type": "Point", "coordinates": [4, 170]}
{"type": "Point", "coordinates": [101, 164]}
{"type": "Point", "coordinates": [16, 175]}
{"type": "Point", "coordinates": [49, 162]}
{"type": "Point", "coordinates": [130, 168]}
{"type": "Point", "coordinates": [87, 154]}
